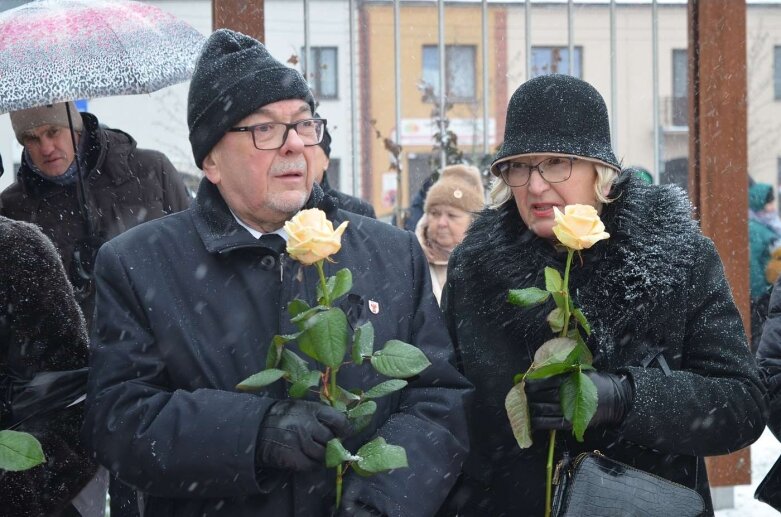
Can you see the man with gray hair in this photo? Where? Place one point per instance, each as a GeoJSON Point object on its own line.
{"type": "Point", "coordinates": [187, 306]}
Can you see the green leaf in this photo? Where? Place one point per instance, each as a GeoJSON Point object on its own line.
{"type": "Point", "coordinates": [301, 387]}
{"type": "Point", "coordinates": [336, 454]}
{"type": "Point", "coordinates": [385, 388]}
{"type": "Point", "coordinates": [578, 402]}
{"type": "Point", "coordinates": [343, 282]}
{"type": "Point", "coordinates": [558, 299]}
{"type": "Point", "coordinates": [347, 396]}
{"type": "Point", "coordinates": [363, 342]}
{"type": "Point", "coordinates": [556, 320]}
{"type": "Point", "coordinates": [518, 412]}
{"type": "Point", "coordinates": [518, 377]}
{"type": "Point", "coordinates": [261, 379]}
{"type": "Point", "coordinates": [580, 355]}
{"type": "Point", "coordinates": [19, 451]}
{"type": "Point", "coordinates": [399, 360]}
{"type": "Point", "coordinates": [378, 456]}
{"type": "Point", "coordinates": [363, 409]}
{"type": "Point", "coordinates": [325, 337]}
{"type": "Point", "coordinates": [294, 365]}
{"type": "Point", "coordinates": [553, 280]}
{"type": "Point", "coordinates": [549, 370]}
{"type": "Point", "coordinates": [301, 318]}
{"type": "Point", "coordinates": [582, 320]}
{"type": "Point", "coordinates": [296, 307]}
{"type": "Point", "coordinates": [554, 350]}
{"type": "Point", "coordinates": [275, 349]}
{"type": "Point", "coordinates": [529, 297]}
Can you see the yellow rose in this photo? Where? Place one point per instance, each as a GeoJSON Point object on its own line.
{"type": "Point", "coordinates": [311, 237]}
{"type": "Point", "coordinates": [579, 227]}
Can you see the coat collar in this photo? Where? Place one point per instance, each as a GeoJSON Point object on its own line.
{"type": "Point", "coordinates": [95, 160]}
{"type": "Point", "coordinates": [219, 230]}
{"type": "Point", "coordinates": [619, 282]}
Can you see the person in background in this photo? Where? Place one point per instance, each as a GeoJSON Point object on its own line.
{"type": "Point", "coordinates": [345, 201]}
{"type": "Point", "coordinates": [124, 185]}
{"type": "Point", "coordinates": [449, 210]}
{"type": "Point", "coordinates": [42, 330]}
{"type": "Point", "coordinates": [187, 307]}
{"type": "Point", "coordinates": [762, 240]}
{"type": "Point", "coordinates": [674, 377]}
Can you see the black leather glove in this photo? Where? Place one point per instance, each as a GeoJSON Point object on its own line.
{"type": "Point", "coordinates": [615, 394]}
{"type": "Point", "coordinates": [294, 433]}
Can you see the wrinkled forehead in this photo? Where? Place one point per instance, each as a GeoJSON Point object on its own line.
{"type": "Point", "coordinates": [37, 131]}
{"type": "Point", "coordinates": [281, 111]}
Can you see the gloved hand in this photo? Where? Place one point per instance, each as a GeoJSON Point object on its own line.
{"type": "Point", "coordinates": [294, 433]}
{"type": "Point", "coordinates": [615, 394]}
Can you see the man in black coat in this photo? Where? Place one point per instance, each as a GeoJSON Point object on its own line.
{"type": "Point", "coordinates": [124, 186]}
{"type": "Point", "coordinates": [187, 306]}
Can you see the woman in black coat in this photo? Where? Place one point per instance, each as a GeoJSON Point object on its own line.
{"type": "Point", "coordinates": [41, 329]}
{"type": "Point", "coordinates": [675, 378]}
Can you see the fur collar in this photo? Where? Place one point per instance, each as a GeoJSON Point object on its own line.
{"type": "Point", "coordinates": [620, 283]}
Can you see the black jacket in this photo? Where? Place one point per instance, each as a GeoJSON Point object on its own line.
{"type": "Point", "coordinates": [655, 289]}
{"type": "Point", "coordinates": [347, 202]}
{"type": "Point", "coordinates": [186, 310]}
{"type": "Point", "coordinates": [41, 329]}
{"type": "Point", "coordinates": [769, 359]}
{"type": "Point", "coordinates": [125, 187]}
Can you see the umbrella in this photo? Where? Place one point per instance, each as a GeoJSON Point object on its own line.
{"type": "Point", "coordinates": [60, 50]}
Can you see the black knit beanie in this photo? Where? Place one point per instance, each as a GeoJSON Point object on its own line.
{"type": "Point", "coordinates": [557, 114]}
{"type": "Point", "coordinates": [234, 76]}
{"type": "Point", "coordinates": [325, 145]}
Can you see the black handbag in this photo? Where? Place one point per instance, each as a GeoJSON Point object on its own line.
{"type": "Point", "coordinates": [769, 490]}
{"type": "Point", "coordinates": [594, 485]}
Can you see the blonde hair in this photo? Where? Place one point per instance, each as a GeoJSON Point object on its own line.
{"type": "Point", "coordinates": [501, 193]}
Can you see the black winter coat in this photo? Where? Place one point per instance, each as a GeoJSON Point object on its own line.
{"type": "Point", "coordinates": [655, 289]}
{"type": "Point", "coordinates": [125, 187]}
{"type": "Point", "coordinates": [41, 329]}
{"type": "Point", "coordinates": [769, 359]}
{"type": "Point", "coordinates": [186, 309]}
{"type": "Point", "coordinates": [347, 202]}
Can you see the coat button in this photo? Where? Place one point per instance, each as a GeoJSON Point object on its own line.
{"type": "Point", "coordinates": [268, 262]}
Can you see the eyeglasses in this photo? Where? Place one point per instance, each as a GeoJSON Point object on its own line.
{"type": "Point", "coordinates": [553, 170]}
{"type": "Point", "coordinates": [273, 135]}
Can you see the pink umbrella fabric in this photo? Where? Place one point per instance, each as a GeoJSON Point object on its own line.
{"type": "Point", "coordinates": [59, 50]}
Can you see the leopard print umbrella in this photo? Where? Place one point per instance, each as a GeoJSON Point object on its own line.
{"type": "Point", "coordinates": [59, 50]}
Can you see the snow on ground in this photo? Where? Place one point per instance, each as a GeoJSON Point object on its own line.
{"type": "Point", "coordinates": [764, 453]}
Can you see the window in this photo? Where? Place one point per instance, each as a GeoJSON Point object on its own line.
{"type": "Point", "coordinates": [334, 173]}
{"type": "Point", "coordinates": [680, 100]}
{"type": "Point", "coordinates": [777, 71]}
{"type": "Point", "coordinates": [322, 72]}
{"type": "Point", "coordinates": [459, 71]}
{"type": "Point", "coordinates": [555, 60]}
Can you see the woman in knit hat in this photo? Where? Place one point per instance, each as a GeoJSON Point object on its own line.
{"type": "Point", "coordinates": [674, 377]}
{"type": "Point", "coordinates": [449, 209]}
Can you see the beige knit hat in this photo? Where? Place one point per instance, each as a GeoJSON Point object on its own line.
{"type": "Point", "coordinates": [51, 114]}
{"type": "Point", "coordinates": [459, 186]}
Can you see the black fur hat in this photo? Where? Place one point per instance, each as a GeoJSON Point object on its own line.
{"type": "Point", "coordinates": [234, 76]}
{"type": "Point", "coordinates": [557, 114]}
